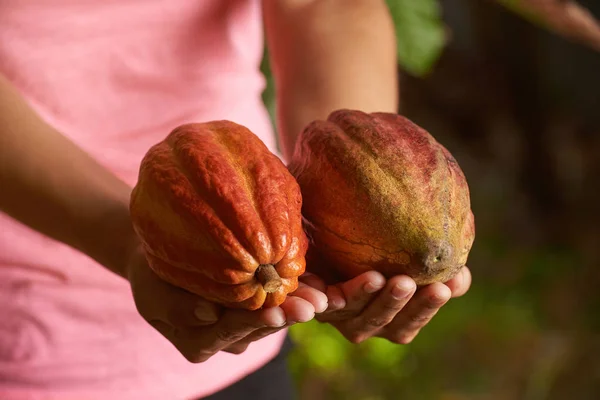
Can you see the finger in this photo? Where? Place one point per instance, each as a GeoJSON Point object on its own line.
{"type": "Point", "coordinates": [182, 342]}
{"type": "Point", "coordinates": [460, 284]}
{"type": "Point", "coordinates": [159, 300]}
{"type": "Point", "coordinates": [271, 317]}
{"type": "Point", "coordinates": [236, 348]}
{"type": "Point", "coordinates": [315, 297]}
{"type": "Point", "coordinates": [205, 313]}
{"type": "Point", "coordinates": [182, 309]}
{"type": "Point", "coordinates": [234, 325]}
{"type": "Point", "coordinates": [314, 281]}
{"type": "Point", "coordinates": [382, 310]}
{"type": "Point", "coordinates": [335, 298]}
{"type": "Point", "coordinates": [242, 345]}
{"type": "Point", "coordinates": [417, 313]}
{"type": "Point", "coordinates": [358, 292]}
{"type": "Point", "coordinates": [297, 309]}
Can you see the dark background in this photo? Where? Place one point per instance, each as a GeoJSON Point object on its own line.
{"type": "Point", "coordinates": [519, 108]}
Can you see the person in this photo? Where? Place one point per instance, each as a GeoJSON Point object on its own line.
{"type": "Point", "coordinates": [85, 89]}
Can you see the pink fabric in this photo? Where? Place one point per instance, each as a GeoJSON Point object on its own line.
{"type": "Point", "coordinates": [116, 76]}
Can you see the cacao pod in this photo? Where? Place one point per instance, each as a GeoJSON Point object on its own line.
{"type": "Point", "coordinates": [380, 193]}
{"type": "Point", "coordinates": [219, 215]}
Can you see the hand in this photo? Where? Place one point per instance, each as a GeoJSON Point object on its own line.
{"type": "Point", "coordinates": [368, 306]}
{"type": "Point", "coordinates": [198, 328]}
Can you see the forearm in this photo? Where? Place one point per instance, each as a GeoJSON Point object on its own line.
{"type": "Point", "coordinates": [54, 187]}
{"type": "Point", "coordinates": [327, 55]}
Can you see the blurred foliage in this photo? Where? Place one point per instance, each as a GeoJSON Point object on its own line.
{"type": "Point", "coordinates": [420, 33]}
{"type": "Point", "coordinates": [495, 320]}
{"type": "Point", "coordinates": [268, 95]}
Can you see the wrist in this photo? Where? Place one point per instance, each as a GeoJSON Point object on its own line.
{"type": "Point", "coordinates": [124, 244]}
{"type": "Point", "coordinates": [113, 241]}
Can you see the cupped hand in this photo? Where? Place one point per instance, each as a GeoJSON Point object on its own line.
{"type": "Point", "coordinates": [198, 328]}
{"type": "Point", "coordinates": [368, 306]}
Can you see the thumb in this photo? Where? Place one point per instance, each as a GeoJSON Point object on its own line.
{"type": "Point", "coordinates": [158, 300]}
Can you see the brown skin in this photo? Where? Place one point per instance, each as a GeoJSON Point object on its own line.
{"type": "Point", "coordinates": [199, 329]}
{"type": "Point", "coordinates": [369, 306]}
{"type": "Point", "coordinates": [327, 55]}
{"type": "Point", "coordinates": [214, 192]}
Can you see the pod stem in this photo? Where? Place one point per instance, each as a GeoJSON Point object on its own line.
{"type": "Point", "coordinates": [268, 277]}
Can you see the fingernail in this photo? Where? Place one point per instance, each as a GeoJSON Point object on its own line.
{"type": "Point", "coordinates": [278, 320]}
{"type": "Point", "coordinates": [400, 291]}
{"type": "Point", "coordinates": [277, 324]}
{"type": "Point", "coordinates": [324, 305]}
{"type": "Point", "coordinates": [205, 313]}
{"type": "Point", "coordinates": [337, 304]}
{"type": "Point", "coordinates": [372, 287]}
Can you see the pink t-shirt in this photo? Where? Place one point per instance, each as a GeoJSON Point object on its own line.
{"type": "Point", "coordinates": [116, 76]}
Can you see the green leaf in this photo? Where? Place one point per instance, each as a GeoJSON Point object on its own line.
{"type": "Point", "coordinates": [420, 33]}
{"type": "Point", "coordinates": [268, 95]}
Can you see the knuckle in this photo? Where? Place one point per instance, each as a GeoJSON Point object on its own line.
{"type": "Point", "coordinates": [419, 319]}
{"type": "Point", "coordinates": [377, 322]}
{"type": "Point", "coordinates": [344, 314]}
{"type": "Point", "coordinates": [227, 335]}
{"type": "Point", "coordinates": [434, 305]}
{"type": "Point", "coordinates": [356, 298]}
{"type": "Point", "coordinates": [435, 302]}
{"type": "Point", "coordinates": [247, 326]}
{"type": "Point", "coordinates": [261, 334]}
{"type": "Point", "coordinates": [391, 308]}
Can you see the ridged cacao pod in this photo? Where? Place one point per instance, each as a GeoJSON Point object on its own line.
{"type": "Point", "coordinates": [380, 193]}
{"type": "Point", "coordinates": [220, 216]}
